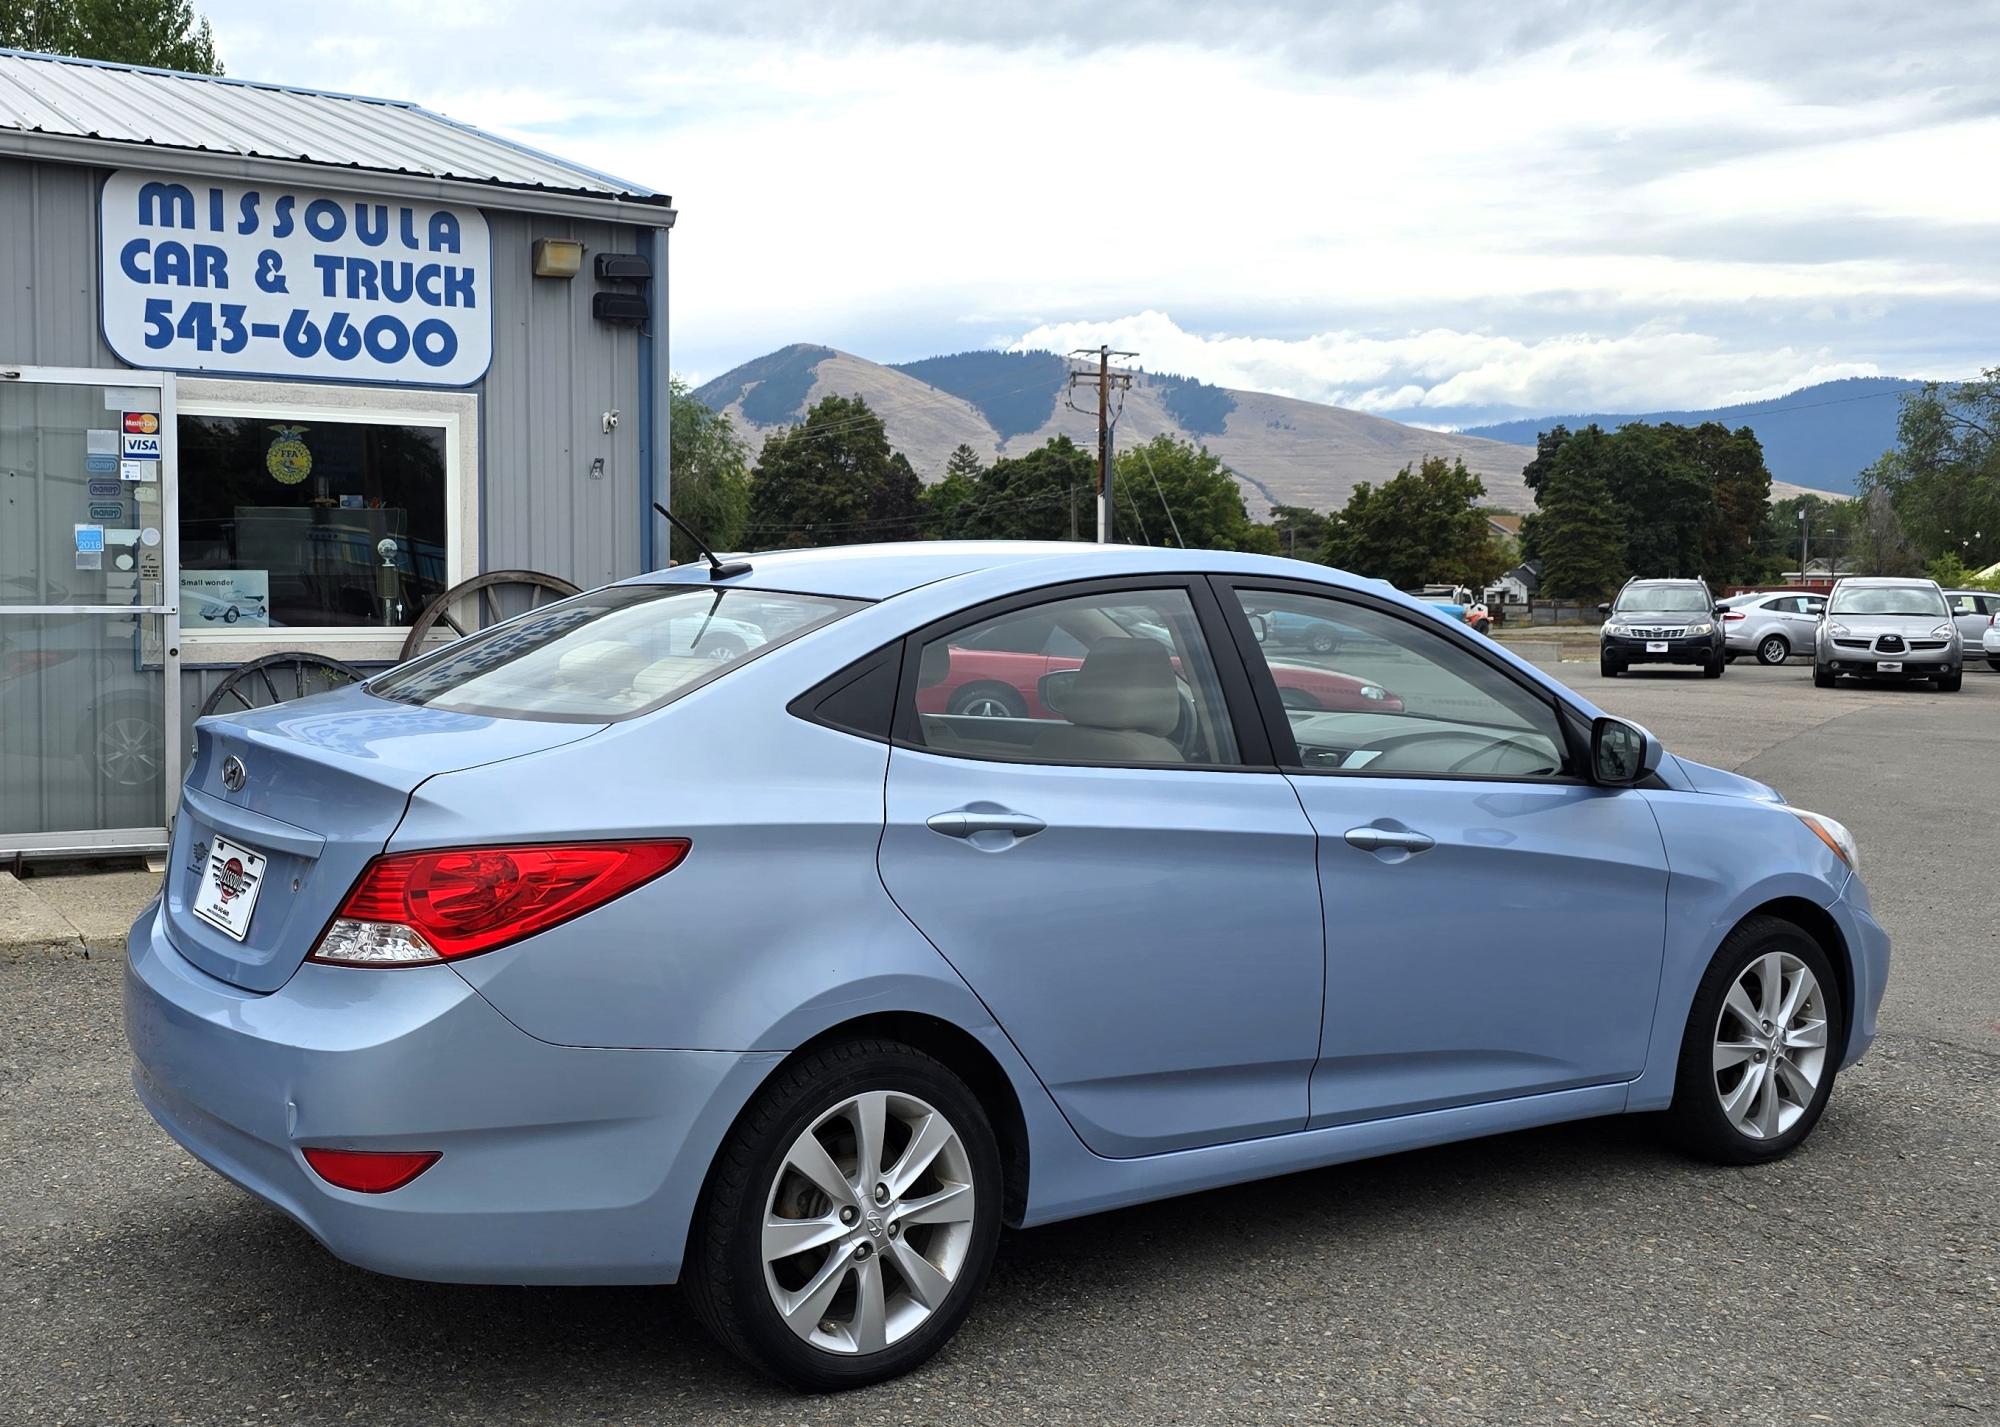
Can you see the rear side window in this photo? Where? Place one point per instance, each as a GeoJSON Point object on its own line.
{"type": "Point", "coordinates": [607, 655]}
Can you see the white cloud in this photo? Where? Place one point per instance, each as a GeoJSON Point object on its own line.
{"type": "Point", "coordinates": [1655, 366]}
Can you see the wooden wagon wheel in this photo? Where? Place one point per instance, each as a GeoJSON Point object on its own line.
{"type": "Point", "coordinates": [278, 679]}
{"type": "Point", "coordinates": [482, 600]}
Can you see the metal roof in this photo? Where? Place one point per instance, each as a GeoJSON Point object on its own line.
{"type": "Point", "coordinates": [91, 111]}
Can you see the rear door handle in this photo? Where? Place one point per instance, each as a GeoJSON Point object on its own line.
{"type": "Point", "coordinates": [1379, 839]}
{"type": "Point", "coordinates": [966, 823]}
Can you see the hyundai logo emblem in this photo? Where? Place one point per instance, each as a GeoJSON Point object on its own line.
{"type": "Point", "coordinates": [234, 775]}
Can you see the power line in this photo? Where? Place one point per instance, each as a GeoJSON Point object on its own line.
{"type": "Point", "coordinates": [1163, 497]}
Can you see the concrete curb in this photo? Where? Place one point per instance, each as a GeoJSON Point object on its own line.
{"type": "Point", "coordinates": [70, 916]}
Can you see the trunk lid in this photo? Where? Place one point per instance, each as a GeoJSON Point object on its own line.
{"type": "Point", "coordinates": [324, 783]}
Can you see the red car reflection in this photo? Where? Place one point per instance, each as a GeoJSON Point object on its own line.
{"type": "Point", "coordinates": [998, 683]}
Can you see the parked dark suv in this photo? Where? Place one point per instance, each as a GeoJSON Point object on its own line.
{"type": "Point", "coordinates": [1661, 622]}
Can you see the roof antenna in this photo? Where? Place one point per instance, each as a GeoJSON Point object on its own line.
{"type": "Point", "coordinates": [716, 569]}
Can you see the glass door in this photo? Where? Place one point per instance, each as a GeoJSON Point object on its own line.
{"type": "Point", "coordinates": [89, 635]}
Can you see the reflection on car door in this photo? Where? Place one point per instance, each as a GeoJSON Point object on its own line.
{"type": "Point", "coordinates": [1148, 936]}
{"type": "Point", "coordinates": [1487, 936]}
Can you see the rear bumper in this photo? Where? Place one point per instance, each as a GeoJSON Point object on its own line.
{"type": "Point", "coordinates": [559, 1164]}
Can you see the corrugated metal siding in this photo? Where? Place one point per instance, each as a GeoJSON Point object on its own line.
{"type": "Point", "coordinates": [48, 266]}
{"type": "Point", "coordinates": [88, 100]}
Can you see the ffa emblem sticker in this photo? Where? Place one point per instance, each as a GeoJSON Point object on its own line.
{"type": "Point", "coordinates": [289, 461]}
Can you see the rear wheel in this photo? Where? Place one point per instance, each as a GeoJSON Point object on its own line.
{"type": "Point", "coordinates": [850, 1219]}
{"type": "Point", "coordinates": [1761, 1047]}
{"type": "Point", "coordinates": [988, 701]}
{"type": "Point", "coordinates": [1322, 640]}
{"type": "Point", "coordinates": [1773, 649]}
{"type": "Point", "coordinates": [721, 648]}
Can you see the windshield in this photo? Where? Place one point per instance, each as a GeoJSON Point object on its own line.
{"type": "Point", "coordinates": [1664, 599]}
{"type": "Point", "coordinates": [607, 655]}
{"type": "Point", "coordinates": [1916, 600]}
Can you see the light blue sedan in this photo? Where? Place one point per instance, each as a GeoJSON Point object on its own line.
{"type": "Point", "coordinates": [565, 955]}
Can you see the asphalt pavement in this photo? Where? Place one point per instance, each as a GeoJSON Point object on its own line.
{"type": "Point", "coordinates": [1580, 1274]}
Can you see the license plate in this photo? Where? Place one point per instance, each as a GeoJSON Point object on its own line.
{"type": "Point", "coordinates": [1656, 646]}
{"type": "Point", "coordinates": [229, 887]}
{"type": "Point", "coordinates": [1889, 666]}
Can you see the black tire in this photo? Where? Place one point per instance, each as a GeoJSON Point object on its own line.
{"type": "Point", "coordinates": [725, 1267]}
{"type": "Point", "coordinates": [1994, 665]}
{"type": "Point", "coordinates": [721, 648]}
{"type": "Point", "coordinates": [1696, 1118]}
{"type": "Point", "coordinates": [1299, 699]}
{"type": "Point", "coordinates": [1608, 668]}
{"type": "Point", "coordinates": [1952, 682]}
{"type": "Point", "coordinates": [1822, 677]}
{"type": "Point", "coordinates": [1322, 641]}
{"type": "Point", "coordinates": [1773, 649]}
{"type": "Point", "coordinates": [985, 697]}
{"type": "Point", "coordinates": [1713, 668]}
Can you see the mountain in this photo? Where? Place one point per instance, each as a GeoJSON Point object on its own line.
{"type": "Point", "coordinates": [1819, 437]}
{"type": "Point", "coordinates": [1283, 451]}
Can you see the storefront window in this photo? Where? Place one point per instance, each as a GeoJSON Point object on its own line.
{"type": "Point", "coordinates": [309, 523]}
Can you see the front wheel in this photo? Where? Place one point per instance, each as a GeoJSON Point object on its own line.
{"type": "Point", "coordinates": [1951, 683]}
{"type": "Point", "coordinates": [1607, 667]}
{"type": "Point", "coordinates": [1322, 641]}
{"type": "Point", "coordinates": [850, 1218]}
{"type": "Point", "coordinates": [1994, 665]}
{"type": "Point", "coordinates": [1761, 1046]}
{"type": "Point", "coordinates": [1822, 677]}
{"type": "Point", "coordinates": [1713, 668]}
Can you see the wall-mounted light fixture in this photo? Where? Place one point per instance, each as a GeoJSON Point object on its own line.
{"type": "Point", "coordinates": [558, 257]}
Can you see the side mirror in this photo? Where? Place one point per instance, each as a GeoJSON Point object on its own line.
{"type": "Point", "coordinates": [1621, 753]}
{"type": "Point", "coordinates": [1053, 691]}
{"type": "Point", "coordinates": [1721, 610]}
{"type": "Point", "coordinates": [1604, 608]}
{"type": "Point", "coordinates": [1260, 628]}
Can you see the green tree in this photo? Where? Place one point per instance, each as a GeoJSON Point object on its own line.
{"type": "Point", "coordinates": [1423, 526]}
{"type": "Point", "coordinates": [1826, 525]}
{"type": "Point", "coordinates": [1881, 546]}
{"type": "Point", "coordinates": [1047, 494]}
{"type": "Point", "coordinates": [1944, 473]}
{"type": "Point", "coordinates": [1169, 492]}
{"type": "Point", "coordinates": [963, 461]}
{"type": "Point", "coordinates": [166, 34]}
{"type": "Point", "coordinates": [1298, 532]}
{"type": "Point", "coordinates": [831, 480]}
{"type": "Point", "coordinates": [1575, 531]}
{"type": "Point", "coordinates": [711, 476]}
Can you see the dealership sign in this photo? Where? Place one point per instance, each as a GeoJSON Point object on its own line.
{"type": "Point", "coordinates": [278, 281]}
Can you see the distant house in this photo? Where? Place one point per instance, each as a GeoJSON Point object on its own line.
{"type": "Point", "coordinates": [1504, 523]}
{"type": "Point", "coordinates": [1518, 585]}
{"type": "Point", "coordinates": [1817, 575]}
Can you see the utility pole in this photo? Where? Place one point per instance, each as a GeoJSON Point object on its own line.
{"type": "Point", "coordinates": [1805, 525]}
{"type": "Point", "coordinates": [1106, 381]}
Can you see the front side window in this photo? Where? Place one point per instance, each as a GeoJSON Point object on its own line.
{"type": "Point", "coordinates": [1662, 599]}
{"type": "Point", "coordinates": [1912, 600]}
{"type": "Point", "coordinates": [309, 523]}
{"type": "Point", "coordinates": [606, 655]}
{"type": "Point", "coordinates": [1120, 680]}
{"type": "Point", "coordinates": [1392, 696]}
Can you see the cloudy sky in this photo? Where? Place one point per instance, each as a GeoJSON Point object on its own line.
{"type": "Point", "coordinates": [1445, 211]}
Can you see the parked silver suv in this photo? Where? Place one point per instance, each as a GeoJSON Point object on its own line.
{"type": "Point", "coordinates": [1774, 627]}
{"type": "Point", "coordinates": [1888, 629]}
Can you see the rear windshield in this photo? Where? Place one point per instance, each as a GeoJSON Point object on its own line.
{"type": "Point", "coordinates": [1888, 599]}
{"type": "Point", "coordinates": [609, 654]}
{"type": "Point", "coordinates": [1664, 599]}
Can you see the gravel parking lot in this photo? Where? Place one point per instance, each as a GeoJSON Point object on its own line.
{"type": "Point", "coordinates": [1571, 1275]}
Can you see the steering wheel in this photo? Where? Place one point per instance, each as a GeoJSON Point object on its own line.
{"type": "Point", "coordinates": [1439, 735]}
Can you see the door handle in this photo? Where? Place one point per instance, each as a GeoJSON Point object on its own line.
{"type": "Point", "coordinates": [967, 822]}
{"type": "Point", "coordinates": [1381, 839]}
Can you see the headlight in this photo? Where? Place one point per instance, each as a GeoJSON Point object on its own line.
{"type": "Point", "coordinates": [1705, 627]}
{"type": "Point", "coordinates": [1374, 691]}
{"type": "Point", "coordinates": [1833, 834]}
{"type": "Point", "coordinates": [1612, 626]}
{"type": "Point", "coordinates": [1834, 627]}
{"type": "Point", "coordinates": [1944, 631]}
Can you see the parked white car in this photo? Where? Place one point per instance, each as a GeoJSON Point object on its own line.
{"type": "Point", "coordinates": [1990, 645]}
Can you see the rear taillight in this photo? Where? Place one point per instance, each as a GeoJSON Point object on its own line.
{"type": "Point", "coordinates": [369, 1171]}
{"type": "Point", "coordinates": [419, 908]}
{"type": "Point", "coordinates": [1734, 614]}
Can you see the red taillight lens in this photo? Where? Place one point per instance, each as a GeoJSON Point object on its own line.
{"type": "Point", "coordinates": [1734, 614]}
{"type": "Point", "coordinates": [369, 1171]}
{"type": "Point", "coordinates": [410, 908]}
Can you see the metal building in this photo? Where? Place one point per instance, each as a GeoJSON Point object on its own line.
{"type": "Point", "coordinates": [276, 367]}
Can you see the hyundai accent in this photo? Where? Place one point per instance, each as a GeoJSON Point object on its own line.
{"type": "Point", "coordinates": [568, 954]}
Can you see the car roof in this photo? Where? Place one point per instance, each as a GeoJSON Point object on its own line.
{"type": "Point", "coordinates": [1885, 582]}
{"type": "Point", "coordinates": [878, 572]}
{"type": "Point", "coordinates": [1666, 580]}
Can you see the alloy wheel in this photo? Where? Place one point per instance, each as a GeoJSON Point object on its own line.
{"type": "Point", "coordinates": [128, 751]}
{"type": "Point", "coordinates": [868, 1222]}
{"type": "Point", "coordinates": [1770, 1045]}
{"type": "Point", "coordinates": [986, 706]}
{"type": "Point", "coordinates": [1773, 650]}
